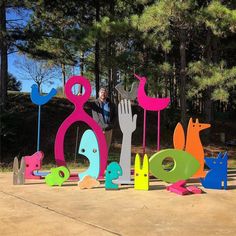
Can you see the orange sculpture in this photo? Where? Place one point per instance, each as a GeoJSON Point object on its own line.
{"type": "Point", "coordinates": [192, 143]}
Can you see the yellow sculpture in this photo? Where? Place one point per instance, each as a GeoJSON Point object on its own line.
{"type": "Point", "coordinates": [141, 175]}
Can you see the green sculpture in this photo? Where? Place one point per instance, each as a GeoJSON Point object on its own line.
{"type": "Point", "coordinates": [185, 165]}
{"type": "Point", "coordinates": [57, 176]}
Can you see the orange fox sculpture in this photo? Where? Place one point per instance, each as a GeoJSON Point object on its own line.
{"type": "Point", "coordinates": [192, 144]}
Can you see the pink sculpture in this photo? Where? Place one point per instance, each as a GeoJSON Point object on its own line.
{"type": "Point", "coordinates": [79, 115]}
{"type": "Point", "coordinates": [33, 163]}
{"type": "Point", "coordinates": [178, 188]}
{"type": "Point", "coordinates": [150, 104]}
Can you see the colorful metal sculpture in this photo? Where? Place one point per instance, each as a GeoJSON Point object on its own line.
{"type": "Point", "coordinates": [185, 165]}
{"type": "Point", "coordinates": [129, 95]}
{"type": "Point", "coordinates": [40, 100]}
{"type": "Point", "coordinates": [193, 142]}
{"type": "Point", "coordinates": [90, 149]}
{"type": "Point", "coordinates": [127, 125]}
{"type": "Point", "coordinates": [57, 176]}
{"type": "Point", "coordinates": [180, 188]}
{"type": "Point", "coordinates": [33, 163]}
{"type": "Point", "coordinates": [79, 115]}
{"type": "Point", "coordinates": [150, 104]}
{"type": "Point", "coordinates": [19, 173]}
{"type": "Point", "coordinates": [88, 182]}
{"type": "Point", "coordinates": [217, 173]}
{"type": "Point", "coordinates": [113, 172]}
{"type": "Point", "coordinates": [141, 175]}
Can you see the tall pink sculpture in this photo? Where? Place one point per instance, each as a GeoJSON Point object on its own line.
{"type": "Point", "coordinates": [150, 104]}
{"type": "Point", "coordinates": [79, 115]}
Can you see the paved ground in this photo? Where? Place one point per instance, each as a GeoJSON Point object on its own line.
{"type": "Point", "coordinates": [38, 209]}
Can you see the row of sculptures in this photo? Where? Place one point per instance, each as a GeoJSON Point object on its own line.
{"type": "Point", "coordinates": [187, 155]}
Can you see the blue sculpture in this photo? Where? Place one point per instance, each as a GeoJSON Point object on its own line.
{"type": "Point", "coordinates": [39, 100]}
{"type": "Point", "coordinates": [217, 173]}
{"type": "Point", "coordinates": [90, 149]}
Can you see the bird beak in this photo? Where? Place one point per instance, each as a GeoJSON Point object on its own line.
{"type": "Point", "coordinates": [138, 77]}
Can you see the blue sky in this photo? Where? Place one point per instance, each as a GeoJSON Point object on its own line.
{"type": "Point", "coordinates": [22, 18]}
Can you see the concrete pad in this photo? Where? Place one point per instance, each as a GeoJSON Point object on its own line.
{"type": "Point", "coordinates": [39, 209]}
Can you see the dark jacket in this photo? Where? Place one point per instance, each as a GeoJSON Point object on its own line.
{"type": "Point", "coordinates": [97, 114]}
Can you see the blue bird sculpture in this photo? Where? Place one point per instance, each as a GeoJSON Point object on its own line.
{"type": "Point", "coordinates": [37, 98]}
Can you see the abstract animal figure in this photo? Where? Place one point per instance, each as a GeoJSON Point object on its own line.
{"type": "Point", "coordinates": [113, 172]}
{"type": "Point", "coordinates": [129, 95]}
{"type": "Point", "coordinates": [79, 115]}
{"type": "Point", "coordinates": [141, 175]}
{"type": "Point", "coordinates": [217, 173]}
{"type": "Point", "coordinates": [40, 100]}
{"type": "Point", "coordinates": [192, 143]}
{"type": "Point", "coordinates": [57, 176]}
{"type": "Point", "coordinates": [150, 104]}
{"type": "Point", "coordinates": [90, 149]}
{"type": "Point", "coordinates": [33, 163]}
{"type": "Point", "coordinates": [19, 173]}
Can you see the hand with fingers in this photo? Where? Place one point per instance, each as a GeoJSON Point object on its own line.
{"type": "Point", "coordinates": [126, 120]}
{"type": "Point", "coordinates": [127, 125]}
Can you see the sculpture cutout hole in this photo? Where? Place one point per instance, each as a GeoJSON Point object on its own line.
{"type": "Point", "coordinates": [61, 174]}
{"type": "Point", "coordinates": [168, 164]}
{"type": "Point", "coordinates": [78, 90]}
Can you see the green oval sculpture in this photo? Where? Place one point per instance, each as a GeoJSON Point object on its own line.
{"type": "Point", "coordinates": [185, 165]}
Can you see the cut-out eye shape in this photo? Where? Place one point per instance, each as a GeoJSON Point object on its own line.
{"type": "Point", "coordinates": [145, 175]}
{"type": "Point", "coordinates": [137, 174]}
{"type": "Point", "coordinates": [83, 150]}
{"type": "Point", "coordinates": [200, 126]}
{"type": "Point", "coordinates": [214, 162]}
{"type": "Point", "coordinates": [94, 150]}
{"type": "Point", "coordinates": [61, 174]}
{"type": "Point", "coordinates": [27, 165]}
{"type": "Point", "coordinates": [37, 165]}
{"type": "Point", "coordinates": [109, 172]}
{"type": "Point", "coordinates": [193, 125]}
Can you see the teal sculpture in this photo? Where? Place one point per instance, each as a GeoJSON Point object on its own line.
{"type": "Point", "coordinates": [113, 172]}
{"type": "Point", "coordinates": [90, 149]}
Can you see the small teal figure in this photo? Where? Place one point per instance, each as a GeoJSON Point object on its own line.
{"type": "Point", "coordinates": [217, 173]}
{"type": "Point", "coordinates": [113, 172]}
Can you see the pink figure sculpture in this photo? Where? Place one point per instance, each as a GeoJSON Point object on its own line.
{"type": "Point", "coordinates": [150, 104]}
{"type": "Point", "coordinates": [79, 115]}
{"type": "Point", "coordinates": [33, 163]}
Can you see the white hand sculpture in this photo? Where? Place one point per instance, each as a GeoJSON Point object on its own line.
{"type": "Point", "coordinates": [127, 125]}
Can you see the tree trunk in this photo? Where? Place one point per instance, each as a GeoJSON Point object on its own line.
{"type": "Point", "coordinates": [183, 77]}
{"type": "Point", "coordinates": [4, 65]}
{"type": "Point", "coordinates": [97, 53]}
{"type": "Point", "coordinates": [63, 72]}
{"type": "Point", "coordinates": [81, 71]}
{"type": "Point", "coordinates": [211, 56]}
